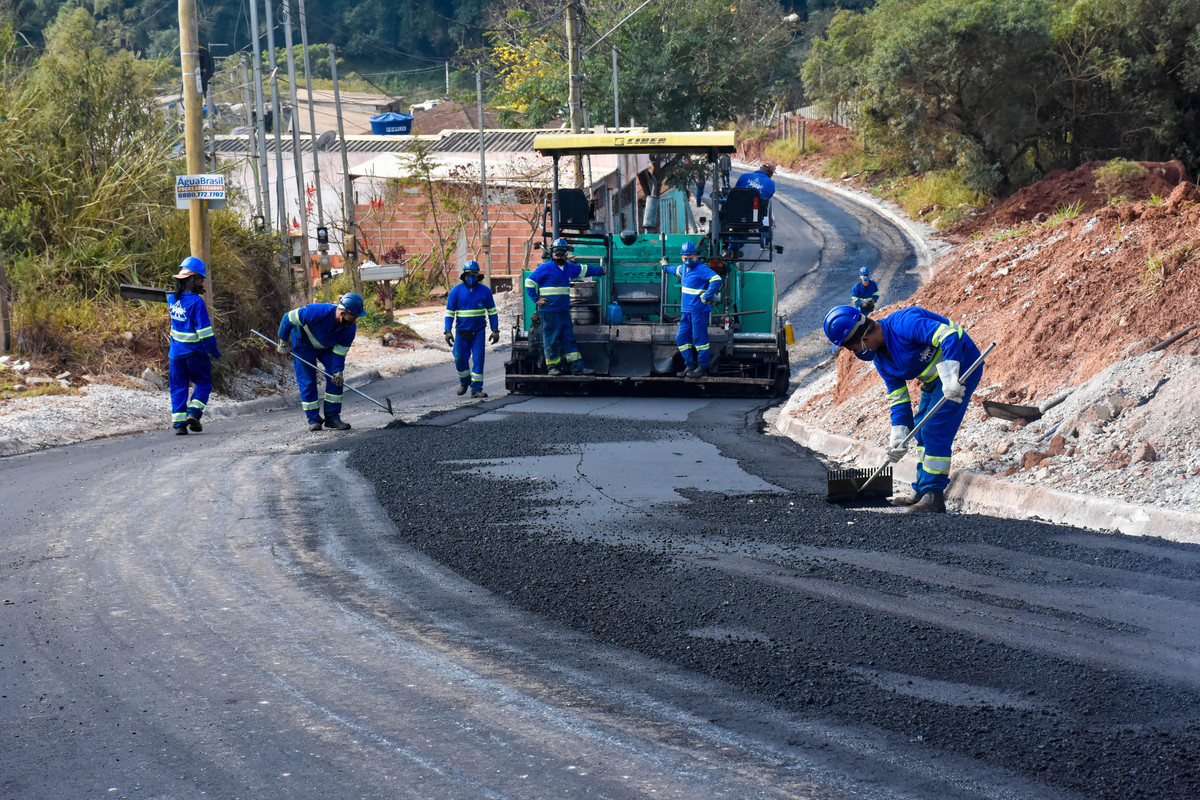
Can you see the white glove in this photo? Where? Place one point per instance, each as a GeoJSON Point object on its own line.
{"type": "Point", "coordinates": [283, 348]}
{"type": "Point", "coordinates": [897, 446]}
{"type": "Point", "coordinates": [951, 388]}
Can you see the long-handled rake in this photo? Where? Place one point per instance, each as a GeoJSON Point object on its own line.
{"type": "Point", "coordinates": [843, 485]}
{"type": "Point", "coordinates": [387, 408]}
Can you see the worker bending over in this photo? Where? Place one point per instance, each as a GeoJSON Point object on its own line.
{"type": "Point", "coordinates": [469, 308]}
{"type": "Point", "coordinates": [699, 286]}
{"type": "Point", "coordinates": [915, 344]}
{"type": "Point", "coordinates": [321, 333]}
{"type": "Point", "coordinates": [865, 294]}
{"type": "Point", "coordinates": [549, 286]}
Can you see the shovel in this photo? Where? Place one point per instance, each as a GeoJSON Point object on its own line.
{"type": "Point", "coordinates": [851, 484]}
{"type": "Point", "coordinates": [387, 408]}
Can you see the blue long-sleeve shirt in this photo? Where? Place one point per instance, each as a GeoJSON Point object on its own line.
{"type": "Point", "coordinates": [860, 293]}
{"type": "Point", "coordinates": [915, 342]}
{"type": "Point", "coordinates": [315, 327]}
{"type": "Point", "coordinates": [191, 329]}
{"type": "Point", "coordinates": [553, 282]}
{"type": "Point", "coordinates": [471, 308]}
{"type": "Point", "coordinates": [698, 281]}
{"type": "Point", "coordinates": [757, 180]}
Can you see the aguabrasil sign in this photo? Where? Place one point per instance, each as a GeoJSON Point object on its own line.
{"type": "Point", "coordinates": [200, 187]}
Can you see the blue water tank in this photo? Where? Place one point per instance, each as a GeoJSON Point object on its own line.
{"type": "Point", "coordinates": [615, 315]}
{"type": "Point", "coordinates": [391, 124]}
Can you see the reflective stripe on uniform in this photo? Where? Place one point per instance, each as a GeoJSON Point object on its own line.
{"type": "Point", "coordinates": [554, 290]}
{"type": "Point", "coordinates": [179, 417]}
{"type": "Point", "coordinates": [332, 398]}
{"type": "Point", "coordinates": [474, 312]}
{"type": "Point", "coordinates": [701, 347]}
{"type": "Point", "coordinates": [683, 348]}
{"type": "Point", "coordinates": [294, 317]}
{"type": "Point", "coordinates": [550, 362]}
{"type": "Point", "coordinates": [949, 329]}
{"type": "Point", "coordinates": [899, 396]}
{"type": "Point", "coordinates": [204, 333]}
{"type": "Point", "coordinates": [338, 350]}
{"type": "Point", "coordinates": [196, 404]}
{"type": "Point", "coordinates": [936, 465]}
{"type": "Point", "coordinates": [530, 283]}
{"type": "Point", "coordinates": [317, 343]}
{"type": "Point", "coordinates": [686, 290]}
{"type": "Point", "coordinates": [492, 312]}
{"type": "Point", "coordinates": [573, 356]}
{"type": "Point", "coordinates": [477, 376]}
{"type": "Point", "coordinates": [184, 336]}
{"type": "Point", "coordinates": [464, 373]}
{"type": "Point", "coordinates": [310, 406]}
{"type": "Point", "coordinates": [930, 372]}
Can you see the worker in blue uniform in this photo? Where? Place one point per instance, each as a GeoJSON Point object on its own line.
{"type": "Point", "coordinates": [549, 286]}
{"type": "Point", "coordinates": [761, 179]}
{"type": "Point", "coordinates": [915, 344]}
{"type": "Point", "coordinates": [470, 307]}
{"type": "Point", "coordinates": [193, 345]}
{"type": "Point", "coordinates": [699, 286]}
{"type": "Point", "coordinates": [865, 294]}
{"type": "Point", "coordinates": [321, 333]}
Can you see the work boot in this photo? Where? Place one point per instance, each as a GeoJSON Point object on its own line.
{"type": "Point", "coordinates": [930, 503]}
{"type": "Point", "coordinates": [335, 423]}
{"type": "Point", "coordinates": [315, 426]}
{"type": "Point", "coordinates": [555, 371]}
{"type": "Point", "coordinates": [585, 371]}
{"type": "Point", "coordinates": [194, 423]}
{"type": "Point", "coordinates": [906, 499]}
{"type": "Point", "coordinates": [181, 430]}
{"type": "Point", "coordinates": [461, 390]}
{"type": "Point", "coordinates": [694, 372]}
{"type": "Point", "coordinates": [478, 395]}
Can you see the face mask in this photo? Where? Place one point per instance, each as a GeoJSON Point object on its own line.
{"type": "Point", "coordinates": [470, 280]}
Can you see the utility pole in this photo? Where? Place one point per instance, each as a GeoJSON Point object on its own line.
{"type": "Point", "coordinates": [617, 222]}
{"type": "Point", "coordinates": [276, 124]}
{"type": "Point", "coordinates": [322, 231]}
{"type": "Point", "coordinates": [305, 258]}
{"type": "Point", "coordinates": [248, 106]}
{"type": "Point", "coordinates": [447, 80]}
{"type": "Point", "coordinates": [350, 253]}
{"type": "Point", "coordinates": [193, 128]}
{"type": "Point", "coordinates": [574, 80]}
{"type": "Point", "coordinates": [486, 236]}
{"type": "Point", "coordinates": [260, 126]}
{"type": "Point", "coordinates": [5, 318]}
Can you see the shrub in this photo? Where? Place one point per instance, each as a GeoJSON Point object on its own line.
{"type": "Point", "coordinates": [1114, 174]}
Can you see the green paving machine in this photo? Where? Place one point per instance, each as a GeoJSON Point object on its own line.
{"type": "Point", "coordinates": [625, 321]}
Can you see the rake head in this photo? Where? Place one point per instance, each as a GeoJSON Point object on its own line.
{"type": "Point", "coordinates": [846, 485]}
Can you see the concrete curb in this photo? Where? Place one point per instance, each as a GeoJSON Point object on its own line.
{"type": "Point", "coordinates": [977, 492]}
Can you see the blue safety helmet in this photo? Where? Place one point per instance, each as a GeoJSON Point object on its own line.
{"type": "Point", "coordinates": [193, 264]}
{"type": "Point", "coordinates": [688, 249]}
{"type": "Point", "coordinates": [843, 323]}
{"type": "Point", "coordinates": [352, 303]}
{"type": "Point", "coordinates": [560, 244]}
{"type": "Point", "coordinates": [471, 266]}
{"type": "Point", "coordinates": [864, 272]}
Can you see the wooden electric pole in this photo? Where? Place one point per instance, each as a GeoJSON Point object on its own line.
{"type": "Point", "coordinates": [574, 81]}
{"type": "Point", "coordinates": [193, 131]}
{"type": "Point", "coordinates": [297, 162]}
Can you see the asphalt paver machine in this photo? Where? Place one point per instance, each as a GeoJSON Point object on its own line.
{"type": "Point", "coordinates": [625, 321]}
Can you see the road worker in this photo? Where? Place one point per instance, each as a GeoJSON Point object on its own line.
{"type": "Point", "coordinates": [321, 333]}
{"type": "Point", "coordinates": [700, 286]}
{"type": "Point", "coordinates": [470, 308]}
{"type": "Point", "coordinates": [915, 344]}
{"type": "Point", "coordinates": [549, 286]}
{"type": "Point", "coordinates": [761, 179]}
{"type": "Point", "coordinates": [865, 293]}
{"type": "Point", "coordinates": [193, 345]}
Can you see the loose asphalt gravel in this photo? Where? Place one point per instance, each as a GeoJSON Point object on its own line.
{"type": "Point", "coordinates": [1042, 652]}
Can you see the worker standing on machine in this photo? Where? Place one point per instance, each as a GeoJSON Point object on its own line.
{"type": "Point", "coordinates": [549, 286]}
{"type": "Point", "coordinates": [761, 179]}
{"type": "Point", "coordinates": [321, 333]}
{"type": "Point", "coordinates": [469, 308]}
{"type": "Point", "coordinates": [193, 345]}
{"type": "Point", "coordinates": [865, 294]}
{"type": "Point", "coordinates": [700, 286]}
{"type": "Point", "coordinates": [914, 344]}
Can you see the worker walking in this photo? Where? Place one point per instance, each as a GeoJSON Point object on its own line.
{"type": "Point", "coordinates": [193, 345]}
{"type": "Point", "coordinates": [865, 294]}
{"type": "Point", "coordinates": [549, 286]}
{"type": "Point", "coordinates": [321, 333]}
{"type": "Point", "coordinates": [700, 286]}
{"type": "Point", "coordinates": [915, 344]}
{"type": "Point", "coordinates": [469, 309]}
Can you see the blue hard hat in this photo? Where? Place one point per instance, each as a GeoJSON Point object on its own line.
{"type": "Point", "coordinates": [842, 323]}
{"type": "Point", "coordinates": [352, 303]}
{"type": "Point", "coordinates": [688, 249]}
{"type": "Point", "coordinates": [193, 264]}
{"type": "Point", "coordinates": [560, 243]}
{"type": "Point", "coordinates": [471, 266]}
{"type": "Point", "coordinates": [864, 271]}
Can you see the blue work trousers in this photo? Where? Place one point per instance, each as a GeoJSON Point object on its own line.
{"type": "Point", "coordinates": [558, 340]}
{"type": "Point", "coordinates": [936, 439]}
{"type": "Point", "coordinates": [692, 338]}
{"type": "Point", "coordinates": [307, 378]}
{"type": "Point", "coordinates": [194, 369]}
{"type": "Point", "coordinates": [469, 348]}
